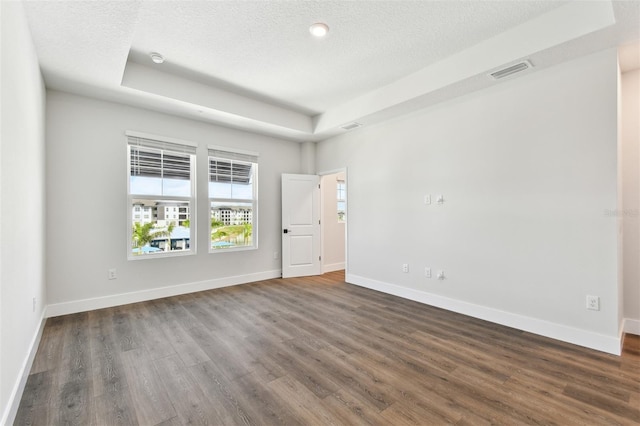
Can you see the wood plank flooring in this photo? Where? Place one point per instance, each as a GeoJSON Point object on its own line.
{"type": "Point", "coordinates": [316, 351]}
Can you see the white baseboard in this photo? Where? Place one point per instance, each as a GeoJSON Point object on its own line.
{"type": "Point", "coordinates": [332, 267]}
{"type": "Point", "coordinates": [83, 305]}
{"type": "Point", "coordinates": [16, 394]}
{"type": "Point", "coordinates": [609, 344]}
{"type": "Point", "coordinates": [631, 326]}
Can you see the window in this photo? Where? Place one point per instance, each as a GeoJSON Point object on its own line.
{"type": "Point", "coordinates": [233, 198]}
{"type": "Point", "coordinates": [161, 180]}
{"type": "Point", "coordinates": [341, 196]}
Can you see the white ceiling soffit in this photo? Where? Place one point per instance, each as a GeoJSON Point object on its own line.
{"type": "Point", "coordinates": [244, 65]}
{"type": "Point", "coordinates": [152, 80]}
{"type": "Point", "coordinates": [551, 29]}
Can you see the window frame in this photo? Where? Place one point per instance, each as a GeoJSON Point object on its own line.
{"type": "Point", "coordinates": [165, 144]}
{"type": "Point", "coordinates": [240, 156]}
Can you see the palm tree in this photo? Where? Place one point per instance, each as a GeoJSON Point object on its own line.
{"type": "Point", "coordinates": [247, 230]}
{"type": "Point", "coordinates": [167, 234]}
{"type": "Point", "coordinates": [143, 234]}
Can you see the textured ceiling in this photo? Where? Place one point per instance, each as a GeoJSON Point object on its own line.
{"type": "Point", "coordinates": [266, 48]}
{"type": "Point", "coordinates": [254, 65]}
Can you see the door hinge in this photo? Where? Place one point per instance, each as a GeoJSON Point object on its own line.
{"type": "Point", "coordinates": [318, 186]}
{"type": "Point", "coordinates": [318, 222]}
{"type": "Point", "coordinates": [319, 257]}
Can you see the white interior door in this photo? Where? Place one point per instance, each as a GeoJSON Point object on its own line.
{"type": "Point", "coordinates": [300, 225]}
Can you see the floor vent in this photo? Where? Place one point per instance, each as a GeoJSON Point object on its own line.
{"type": "Point", "coordinates": [351, 126]}
{"type": "Point", "coordinates": [510, 70]}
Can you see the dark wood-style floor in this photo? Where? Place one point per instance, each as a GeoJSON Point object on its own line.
{"type": "Point", "coordinates": [315, 351]}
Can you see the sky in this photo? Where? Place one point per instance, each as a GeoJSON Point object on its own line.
{"type": "Point", "coordinates": [142, 185]}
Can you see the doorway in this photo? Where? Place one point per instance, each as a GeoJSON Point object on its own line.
{"type": "Point", "coordinates": [333, 214]}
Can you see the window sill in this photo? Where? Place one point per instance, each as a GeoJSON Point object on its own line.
{"type": "Point", "coordinates": [233, 249]}
{"type": "Point", "coordinates": [175, 253]}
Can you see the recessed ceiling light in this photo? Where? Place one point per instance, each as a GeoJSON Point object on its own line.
{"type": "Point", "coordinates": [156, 57]}
{"type": "Point", "coordinates": [319, 29]}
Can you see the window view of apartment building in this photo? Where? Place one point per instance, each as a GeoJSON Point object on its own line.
{"type": "Point", "coordinates": [161, 213]}
{"type": "Point", "coordinates": [232, 215]}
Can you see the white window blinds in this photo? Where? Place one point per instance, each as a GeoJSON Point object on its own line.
{"type": "Point", "coordinates": [231, 166]}
{"type": "Point", "coordinates": [160, 159]}
{"type": "Point", "coordinates": [230, 154]}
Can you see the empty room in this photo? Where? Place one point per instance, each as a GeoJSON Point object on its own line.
{"type": "Point", "coordinates": [320, 212]}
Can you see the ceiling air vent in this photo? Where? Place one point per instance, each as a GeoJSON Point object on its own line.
{"type": "Point", "coordinates": [510, 70]}
{"type": "Point", "coordinates": [351, 126]}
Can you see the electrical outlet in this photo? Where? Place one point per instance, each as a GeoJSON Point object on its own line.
{"type": "Point", "coordinates": [440, 199]}
{"type": "Point", "coordinates": [441, 275]}
{"type": "Point", "coordinates": [405, 267]}
{"type": "Point", "coordinates": [427, 272]}
{"type": "Point", "coordinates": [427, 199]}
{"type": "Point", "coordinates": [593, 303]}
{"type": "Point", "coordinates": [111, 274]}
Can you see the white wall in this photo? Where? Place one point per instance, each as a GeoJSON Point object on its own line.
{"type": "Point", "coordinates": [528, 172]}
{"type": "Point", "coordinates": [630, 213]}
{"type": "Point", "coordinates": [333, 231]}
{"type": "Point", "coordinates": [87, 206]}
{"type": "Point", "coordinates": [21, 205]}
